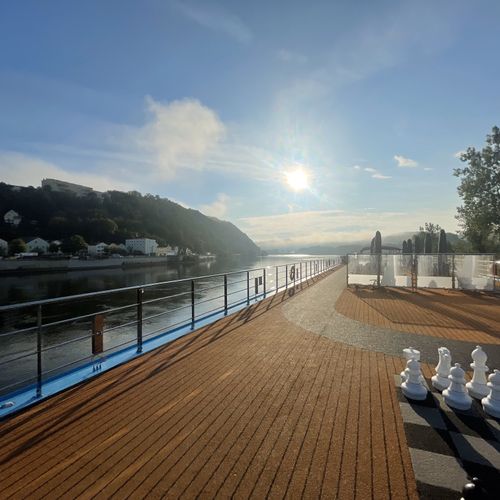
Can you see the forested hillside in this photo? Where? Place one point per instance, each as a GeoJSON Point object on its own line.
{"type": "Point", "coordinates": [114, 216]}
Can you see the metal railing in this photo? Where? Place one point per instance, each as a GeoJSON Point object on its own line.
{"type": "Point", "coordinates": [43, 339]}
{"type": "Point", "coordinates": [453, 271]}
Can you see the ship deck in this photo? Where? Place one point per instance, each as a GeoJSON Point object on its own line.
{"type": "Point", "coordinates": [266, 402]}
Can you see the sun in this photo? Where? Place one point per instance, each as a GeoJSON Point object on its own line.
{"type": "Point", "coordinates": [297, 179]}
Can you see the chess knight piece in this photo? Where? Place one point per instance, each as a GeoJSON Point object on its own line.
{"type": "Point", "coordinates": [409, 353]}
{"type": "Point", "coordinates": [477, 386]}
{"type": "Point", "coordinates": [441, 381]}
{"type": "Point", "coordinates": [456, 396]}
{"type": "Point", "coordinates": [412, 387]}
{"type": "Point", "coordinates": [491, 403]}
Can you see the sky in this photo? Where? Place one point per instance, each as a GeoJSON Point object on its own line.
{"type": "Point", "coordinates": [301, 122]}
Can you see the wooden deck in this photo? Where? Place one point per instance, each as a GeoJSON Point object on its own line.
{"type": "Point", "coordinates": [251, 406]}
{"type": "Point", "coordinates": [458, 315]}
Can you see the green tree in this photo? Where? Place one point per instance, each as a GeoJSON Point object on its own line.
{"type": "Point", "coordinates": [74, 244]}
{"type": "Point", "coordinates": [479, 188]}
{"type": "Point", "coordinates": [17, 246]}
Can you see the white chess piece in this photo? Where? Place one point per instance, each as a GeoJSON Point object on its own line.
{"type": "Point", "coordinates": [412, 387]}
{"type": "Point", "coordinates": [409, 353]}
{"type": "Point", "coordinates": [456, 396]}
{"type": "Point", "coordinates": [477, 386]}
{"type": "Point", "coordinates": [441, 381]}
{"type": "Point", "coordinates": [491, 403]}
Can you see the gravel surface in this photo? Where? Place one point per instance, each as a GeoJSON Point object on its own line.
{"type": "Point", "coordinates": [314, 310]}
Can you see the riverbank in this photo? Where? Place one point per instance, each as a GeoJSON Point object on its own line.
{"type": "Point", "coordinates": [24, 267]}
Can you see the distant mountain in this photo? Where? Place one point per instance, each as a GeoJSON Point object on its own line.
{"type": "Point", "coordinates": [343, 248]}
{"type": "Point", "coordinates": [114, 216]}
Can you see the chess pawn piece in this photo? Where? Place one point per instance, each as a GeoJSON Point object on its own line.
{"type": "Point", "coordinates": [409, 353]}
{"type": "Point", "coordinates": [474, 490]}
{"type": "Point", "coordinates": [477, 386]}
{"type": "Point", "coordinates": [412, 387]}
{"type": "Point", "coordinates": [441, 381]}
{"type": "Point", "coordinates": [491, 403]}
{"type": "Point", "coordinates": [456, 396]}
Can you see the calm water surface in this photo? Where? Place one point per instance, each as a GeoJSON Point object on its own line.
{"type": "Point", "coordinates": [170, 306]}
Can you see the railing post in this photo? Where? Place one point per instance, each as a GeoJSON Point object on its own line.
{"type": "Point", "coordinates": [140, 292]}
{"type": "Point", "coordinates": [294, 275]}
{"type": "Point", "coordinates": [453, 272]}
{"type": "Point", "coordinates": [277, 279]}
{"type": "Point", "coordinates": [286, 276]}
{"type": "Point", "coordinates": [264, 280]}
{"type": "Point", "coordinates": [248, 287]}
{"type": "Point", "coordinates": [39, 351]}
{"type": "Point", "coordinates": [225, 295]}
{"type": "Point", "coordinates": [192, 305]}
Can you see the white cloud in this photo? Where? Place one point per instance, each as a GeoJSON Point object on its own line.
{"type": "Point", "coordinates": [356, 167]}
{"type": "Point", "coordinates": [459, 154]}
{"type": "Point", "coordinates": [295, 229]}
{"type": "Point", "coordinates": [428, 169]}
{"type": "Point", "coordinates": [218, 208]}
{"type": "Point", "coordinates": [405, 162]}
{"type": "Point", "coordinates": [180, 134]}
{"type": "Point", "coordinates": [216, 19]}
{"type": "Point", "coordinates": [376, 174]}
{"type": "Point", "coordinates": [25, 170]}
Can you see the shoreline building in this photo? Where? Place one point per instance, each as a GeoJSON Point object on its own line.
{"type": "Point", "coordinates": [146, 246]}
{"type": "Point", "coordinates": [68, 187]}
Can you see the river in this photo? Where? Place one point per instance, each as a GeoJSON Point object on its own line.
{"type": "Point", "coordinates": [165, 307]}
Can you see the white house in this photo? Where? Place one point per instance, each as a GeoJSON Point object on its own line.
{"type": "Point", "coordinates": [146, 246]}
{"type": "Point", "coordinates": [12, 217]}
{"type": "Point", "coordinates": [97, 250]}
{"type": "Point", "coordinates": [4, 247]}
{"type": "Point", "coordinates": [168, 250]}
{"type": "Point", "coordinates": [37, 245]}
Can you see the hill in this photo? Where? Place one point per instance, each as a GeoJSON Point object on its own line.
{"type": "Point", "coordinates": [114, 216]}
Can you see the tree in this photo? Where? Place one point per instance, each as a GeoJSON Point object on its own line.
{"type": "Point", "coordinates": [409, 245]}
{"type": "Point", "coordinates": [405, 247]}
{"type": "Point", "coordinates": [74, 244]}
{"type": "Point", "coordinates": [479, 188]}
{"type": "Point", "coordinates": [17, 246]}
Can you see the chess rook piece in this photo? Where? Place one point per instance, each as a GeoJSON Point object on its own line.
{"type": "Point", "coordinates": [477, 386]}
{"type": "Point", "coordinates": [491, 403]}
{"type": "Point", "coordinates": [412, 387]}
{"type": "Point", "coordinates": [456, 396]}
{"type": "Point", "coordinates": [441, 381]}
{"type": "Point", "coordinates": [409, 353]}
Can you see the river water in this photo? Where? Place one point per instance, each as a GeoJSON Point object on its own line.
{"type": "Point", "coordinates": [165, 307]}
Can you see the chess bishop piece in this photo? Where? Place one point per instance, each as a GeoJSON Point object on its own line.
{"type": "Point", "coordinates": [477, 386]}
{"type": "Point", "coordinates": [456, 396]}
{"type": "Point", "coordinates": [409, 353]}
{"type": "Point", "coordinates": [412, 387]}
{"type": "Point", "coordinates": [441, 381]}
{"type": "Point", "coordinates": [491, 403]}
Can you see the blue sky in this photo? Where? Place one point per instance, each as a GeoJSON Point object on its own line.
{"type": "Point", "coordinates": [213, 104]}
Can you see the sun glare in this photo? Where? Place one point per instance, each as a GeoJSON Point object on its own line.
{"type": "Point", "coordinates": [297, 179]}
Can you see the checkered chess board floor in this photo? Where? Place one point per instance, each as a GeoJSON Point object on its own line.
{"type": "Point", "coordinates": [448, 447]}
